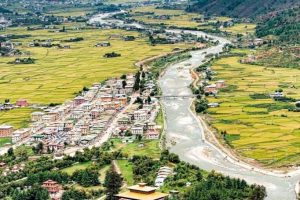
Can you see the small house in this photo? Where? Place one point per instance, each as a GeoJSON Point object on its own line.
{"type": "Point", "coordinates": [22, 103]}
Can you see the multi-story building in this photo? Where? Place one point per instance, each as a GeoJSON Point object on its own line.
{"type": "Point", "coordinates": [5, 130]}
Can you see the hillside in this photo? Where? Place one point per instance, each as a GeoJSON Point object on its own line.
{"type": "Point", "coordinates": [285, 25]}
{"type": "Point", "coordinates": [240, 8]}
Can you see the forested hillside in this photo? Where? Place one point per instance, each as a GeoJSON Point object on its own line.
{"type": "Point", "coordinates": [285, 25]}
{"type": "Point", "coordinates": [279, 18]}
{"type": "Point", "coordinates": [240, 8]}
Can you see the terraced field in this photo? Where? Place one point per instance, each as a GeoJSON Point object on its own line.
{"type": "Point", "coordinates": [257, 126]}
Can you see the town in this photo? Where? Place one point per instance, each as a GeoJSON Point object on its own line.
{"type": "Point", "coordinates": [112, 108]}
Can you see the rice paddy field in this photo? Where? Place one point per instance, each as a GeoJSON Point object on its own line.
{"type": "Point", "coordinates": [177, 17]}
{"type": "Point", "coordinates": [18, 118]}
{"type": "Point", "coordinates": [241, 28]}
{"type": "Point", "coordinates": [258, 127]}
{"type": "Point", "coordinates": [58, 73]}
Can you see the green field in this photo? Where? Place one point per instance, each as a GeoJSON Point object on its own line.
{"type": "Point", "coordinates": [126, 170]}
{"type": "Point", "coordinates": [4, 141]}
{"type": "Point", "coordinates": [150, 148]}
{"type": "Point", "coordinates": [258, 128]}
{"type": "Point", "coordinates": [79, 166]}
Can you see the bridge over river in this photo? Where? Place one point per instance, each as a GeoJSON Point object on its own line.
{"type": "Point", "coordinates": [191, 96]}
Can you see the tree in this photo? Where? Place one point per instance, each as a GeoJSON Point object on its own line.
{"type": "Point", "coordinates": [74, 194]}
{"type": "Point", "coordinates": [124, 83]}
{"type": "Point", "coordinates": [258, 192]}
{"type": "Point", "coordinates": [201, 106]}
{"type": "Point", "coordinates": [149, 100]}
{"type": "Point", "coordinates": [113, 183]}
{"type": "Point", "coordinates": [38, 149]}
{"type": "Point", "coordinates": [136, 85]}
{"type": "Point", "coordinates": [86, 177]}
{"type": "Point", "coordinates": [123, 76]}
{"type": "Point", "coordinates": [10, 152]}
{"type": "Point", "coordinates": [35, 193]}
{"type": "Point", "coordinates": [139, 137]}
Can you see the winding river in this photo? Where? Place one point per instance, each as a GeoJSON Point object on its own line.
{"type": "Point", "coordinates": [183, 126]}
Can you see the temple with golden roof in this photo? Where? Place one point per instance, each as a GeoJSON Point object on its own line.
{"type": "Point", "coordinates": [141, 192]}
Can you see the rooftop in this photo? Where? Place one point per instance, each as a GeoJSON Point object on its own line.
{"type": "Point", "coordinates": [142, 192]}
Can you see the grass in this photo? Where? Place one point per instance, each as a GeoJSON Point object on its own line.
{"type": "Point", "coordinates": [126, 170]}
{"type": "Point", "coordinates": [4, 141]}
{"type": "Point", "coordinates": [18, 118]}
{"type": "Point", "coordinates": [103, 173]}
{"type": "Point", "coordinates": [150, 148]}
{"type": "Point", "coordinates": [258, 128]}
{"type": "Point", "coordinates": [159, 120]}
{"type": "Point", "coordinates": [79, 166]}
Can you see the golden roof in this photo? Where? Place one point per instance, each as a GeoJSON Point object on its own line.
{"type": "Point", "coordinates": [141, 196]}
{"type": "Point", "coordinates": [142, 192]}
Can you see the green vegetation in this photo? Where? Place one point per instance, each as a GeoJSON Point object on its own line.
{"type": "Point", "coordinates": [126, 170]}
{"type": "Point", "coordinates": [158, 65]}
{"type": "Point", "coordinates": [79, 166]}
{"type": "Point", "coordinates": [239, 8]}
{"type": "Point", "coordinates": [285, 56]}
{"type": "Point", "coordinates": [4, 141]}
{"type": "Point", "coordinates": [86, 177]}
{"type": "Point", "coordinates": [285, 25]}
{"type": "Point", "coordinates": [113, 183]}
{"type": "Point", "coordinates": [256, 125]}
{"type": "Point", "coordinates": [145, 147]}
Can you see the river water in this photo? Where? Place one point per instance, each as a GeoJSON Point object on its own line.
{"type": "Point", "coordinates": [183, 127]}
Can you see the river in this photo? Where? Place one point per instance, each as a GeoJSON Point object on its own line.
{"type": "Point", "coordinates": [183, 125]}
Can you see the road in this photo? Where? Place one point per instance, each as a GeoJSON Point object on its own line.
{"type": "Point", "coordinates": [107, 134]}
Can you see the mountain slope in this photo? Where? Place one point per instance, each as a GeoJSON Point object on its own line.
{"type": "Point", "coordinates": [240, 8]}
{"type": "Point", "coordinates": [285, 25]}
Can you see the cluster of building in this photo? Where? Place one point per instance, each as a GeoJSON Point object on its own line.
{"type": "Point", "coordinates": [19, 103]}
{"type": "Point", "coordinates": [162, 174]}
{"type": "Point", "coordinates": [76, 122]}
{"type": "Point", "coordinates": [8, 48]}
{"type": "Point", "coordinates": [139, 121]}
{"type": "Point", "coordinates": [212, 89]}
